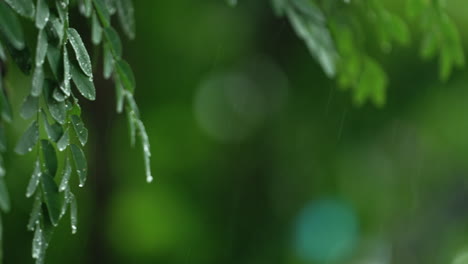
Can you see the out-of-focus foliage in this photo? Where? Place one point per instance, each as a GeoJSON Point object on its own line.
{"type": "Point", "coordinates": [57, 132]}
{"type": "Point", "coordinates": [259, 158]}
{"type": "Point", "coordinates": [334, 32]}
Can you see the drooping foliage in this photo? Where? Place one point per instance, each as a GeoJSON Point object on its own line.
{"type": "Point", "coordinates": [339, 34]}
{"type": "Point", "coordinates": [62, 75]}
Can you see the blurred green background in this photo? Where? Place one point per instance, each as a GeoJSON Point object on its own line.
{"type": "Point", "coordinates": [257, 156]}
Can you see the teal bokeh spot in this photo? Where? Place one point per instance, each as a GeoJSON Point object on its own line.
{"type": "Point", "coordinates": [326, 231]}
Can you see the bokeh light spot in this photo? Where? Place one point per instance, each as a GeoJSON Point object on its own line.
{"type": "Point", "coordinates": [326, 231]}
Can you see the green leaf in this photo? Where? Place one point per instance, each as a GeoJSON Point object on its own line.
{"type": "Point", "coordinates": [22, 7]}
{"type": "Point", "coordinates": [81, 164]}
{"type": "Point", "coordinates": [132, 104]}
{"type": "Point", "coordinates": [28, 140]}
{"type": "Point", "coordinates": [54, 131]}
{"type": "Point", "coordinates": [42, 14]}
{"type": "Point", "coordinates": [37, 81]}
{"type": "Point", "coordinates": [55, 62]}
{"type": "Point", "coordinates": [57, 109]}
{"type": "Point", "coordinates": [110, 4]}
{"type": "Point", "coordinates": [2, 168]}
{"type": "Point", "coordinates": [108, 61]}
{"type": "Point", "coordinates": [2, 53]}
{"type": "Point", "coordinates": [126, 75]}
{"type": "Point", "coordinates": [51, 198]}
{"type": "Point", "coordinates": [102, 12]}
{"type": "Point", "coordinates": [58, 28]}
{"type": "Point", "coordinates": [372, 84]}
{"type": "Point", "coordinates": [81, 53]}
{"type": "Point", "coordinates": [146, 149]}
{"type": "Point", "coordinates": [58, 95]}
{"type": "Point", "coordinates": [50, 158]}
{"type": "Point", "coordinates": [86, 7]}
{"type": "Point", "coordinates": [80, 129]}
{"type": "Point", "coordinates": [316, 35]}
{"type": "Point", "coordinates": [64, 183]}
{"type": "Point", "coordinates": [65, 87]}
{"type": "Point", "coordinates": [73, 213]}
{"type": "Point", "coordinates": [63, 143]}
{"type": "Point", "coordinates": [5, 105]}
{"type": "Point", "coordinates": [131, 126]}
{"type": "Point", "coordinates": [3, 141]}
{"type": "Point", "coordinates": [36, 212]}
{"type": "Point", "coordinates": [30, 107]}
{"type": "Point", "coordinates": [114, 41]}
{"type": "Point", "coordinates": [35, 179]}
{"type": "Point", "coordinates": [10, 27]}
{"type": "Point", "coordinates": [96, 30]}
{"type": "Point", "coordinates": [126, 16]}
{"type": "Point", "coordinates": [4, 197]}
{"type": "Point", "coordinates": [41, 49]}
{"type": "Point", "coordinates": [83, 83]}
{"type": "Point", "coordinates": [119, 92]}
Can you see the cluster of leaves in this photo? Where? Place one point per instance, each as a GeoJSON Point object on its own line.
{"type": "Point", "coordinates": [57, 132]}
{"type": "Point", "coordinates": [336, 33]}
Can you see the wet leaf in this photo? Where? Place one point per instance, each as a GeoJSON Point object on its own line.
{"type": "Point", "coordinates": [54, 131]}
{"type": "Point", "coordinates": [102, 12]}
{"type": "Point", "coordinates": [41, 49]}
{"type": "Point", "coordinates": [81, 164]}
{"type": "Point", "coordinates": [51, 197]}
{"type": "Point", "coordinates": [54, 58]}
{"type": "Point", "coordinates": [65, 87]}
{"type": "Point", "coordinates": [11, 27]}
{"type": "Point", "coordinates": [56, 109]}
{"type": "Point", "coordinates": [3, 142]}
{"type": "Point", "coordinates": [49, 158]}
{"type": "Point", "coordinates": [126, 75]}
{"type": "Point", "coordinates": [64, 141]}
{"type": "Point", "coordinates": [81, 53]}
{"type": "Point", "coordinates": [126, 16]}
{"type": "Point", "coordinates": [36, 212]}
{"type": "Point", "coordinates": [73, 213]}
{"type": "Point", "coordinates": [83, 83]}
{"type": "Point", "coordinates": [37, 81]}
{"type": "Point", "coordinates": [114, 41]}
{"type": "Point", "coordinates": [42, 13]}
{"type": "Point", "coordinates": [86, 7]}
{"type": "Point", "coordinates": [64, 183]}
{"type": "Point", "coordinates": [28, 140]}
{"type": "Point", "coordinates": [108, 61]}
{"type": "Point", "coordinates": [5, 105]}
{"type": "Point", "coordinates": [96, 30]}
{"type": "Point", "coordinates": [35, 179]}
{"type": "Point", "coordinates": [30, 107]}
{"type": "Point", "coordinates": [4, 196]}
{"type": "Point", "coordinates": [80, 129]}
{"type": "Point", "coordinates": [22, 7]}
{"type": "Point", "coordinates": [146, 149]}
